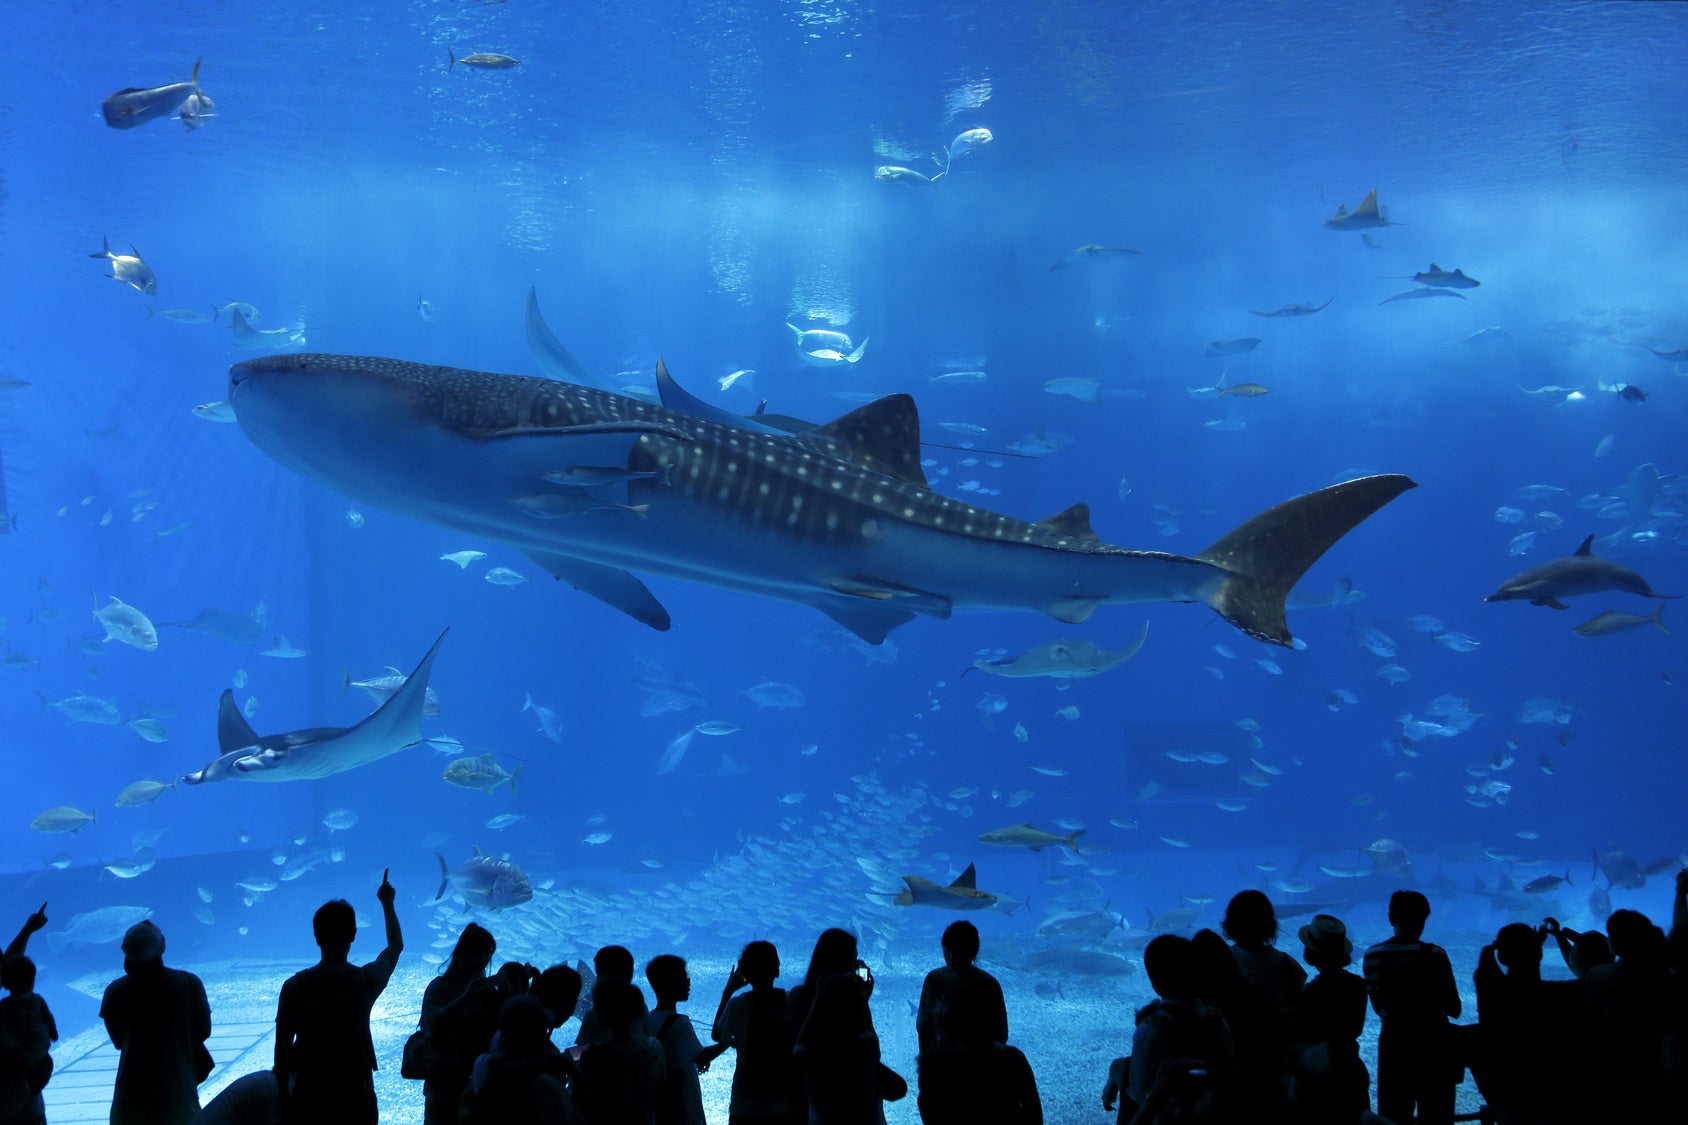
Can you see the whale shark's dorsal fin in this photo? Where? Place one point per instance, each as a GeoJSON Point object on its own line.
{"type": "Point", "coordinates": [1584, 549]}
{"type": "Point", "coordinates": [967, 879]}
{"type": "Point", "coordinates": [882, 436]}
{"type": "Point", "coordinates": [1073, 522]}
{"type": "Point", "coordinates": [233, 731]}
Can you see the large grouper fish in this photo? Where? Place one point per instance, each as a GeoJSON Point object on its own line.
{"type": "Point", "coordinates": [838, 516]}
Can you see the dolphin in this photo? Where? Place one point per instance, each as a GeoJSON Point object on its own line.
{"type": "Point", "coordinates": [836, 517]}
{"type": "Point", "coordinates": [962, 894]}
{"type": "Point", "coordinates": [1581, 573]}
{"type": "Point", "coordinates": [1364, 217]}
{"type": "Point", "coordinates": [1062, 660]}
{"type": "Point", "coordinates": [132, 106]}
{"type": "Point", "coordinates": [305, 755]}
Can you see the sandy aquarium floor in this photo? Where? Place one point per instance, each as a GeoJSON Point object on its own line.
{"type": "Point", "coordinates": [1069, 1039]}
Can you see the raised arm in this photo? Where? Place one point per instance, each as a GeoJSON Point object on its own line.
{"type": "Point", "coordinates": [33, 923]}
{"type": "Point", "coordinates": [735, 981]}
{"type": "Point", "coordinates": [388, 958]}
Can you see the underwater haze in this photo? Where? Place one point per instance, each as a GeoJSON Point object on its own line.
{"type": "Point", "coordinates": [1117, 254]}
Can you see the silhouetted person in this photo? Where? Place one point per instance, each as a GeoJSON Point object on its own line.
{"type": "Point", "coordinates": [1115, 1098]}
{"type": "Point", "coordinates": [1256, 1023]}
{"type": "Point", "coordinates": [620, 1075]}
{"type": "Point", "coordinates": [967, 1076]}
{"type": "Point", "coordinates": [1524, 1066]}
{"type": "Point", "coordinates": [159, 1020]}
{"type": "Point", "coordinates": [831, 1051]}
{"type": "Point", "coordinates": [31, 925]}
{"type": "Point", "coordinates": [1333, 1003]}
{"type": "Point", "coordinates": [959, 974]}
{"type": "Point", "coordinates": [1628, 1018]}
{"type": "Point", "coordinates": [612, 962]}
{"type": "Point", "coordinates": [251, 1099]}
{"type": "Point", "coordinates": [523, 1080]}
{"type": "Point", "coordinates": [681, 1100]}
{"type": "Point", "coordinates": [757, 1025]}
{"type": "Point", "coordinates": [1580, 951]}
{"type": "Point", "coordinates": [1412, 990]}
{"type": "Point", "coordinates": [837, 1052]}
{"type": "Point", "coordinates": [558, 988]}
{"type": "Point", "coordinates": [459, 1016]}
{"type": "Point", "coordinates": [1252, 925]}
{"type": "Point", "coordinates": [1181, 1052]}
{"type": "Point", "coordinates": [27, 1033]}
{"type": "Point", "coordinates": [324, 1056]}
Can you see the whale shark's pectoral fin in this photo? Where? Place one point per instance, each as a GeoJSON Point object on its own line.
{"type": "Point", "coordinates": [233, 731]}
{"type": "Point", "coordinates": [870, 608]}
{"type": "Point", "coordinates": [610, 585]}
{"type": "Point", "coordinates": [871, 622]}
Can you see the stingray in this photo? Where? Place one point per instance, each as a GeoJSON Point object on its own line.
{"type": "Point", "coordinates": [1293, 310]}
{"type": "Point", "coordinates": [305, 755]}
{"type": "Point", "coordinates": [1062, 660]}
{"type": "Point", "coordinates": [1419, 294]}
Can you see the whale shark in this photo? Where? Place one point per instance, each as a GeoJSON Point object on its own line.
{"type": "Point", "coordinates": [837, 517]}
{"type": "Point", "coordinates": [305, 755]}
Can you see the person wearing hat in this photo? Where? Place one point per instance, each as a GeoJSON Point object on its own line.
{"type": "Point", "coordinates": [1333, 1004]}
{"type": "Point", "coordinates": [158, 1020]}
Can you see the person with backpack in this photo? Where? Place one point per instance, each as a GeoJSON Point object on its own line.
{"type": "Point", "coordinates": [679, 1098]}
{"type": "Point", "coordinates": [27, 1032]}
{"type": "Point", "coordinates": [757, 1026]}
{"type": "Point", "coordinates": [324, 1055]}
{"type": "Point", "coordinates": [1182, 1052]}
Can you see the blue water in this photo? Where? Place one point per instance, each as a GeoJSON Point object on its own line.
{"type": "Point", "coordinates": [681, 181]}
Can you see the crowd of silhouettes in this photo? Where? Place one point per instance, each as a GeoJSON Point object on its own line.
{"type": "Point", "coordinates": [1237, 1032]}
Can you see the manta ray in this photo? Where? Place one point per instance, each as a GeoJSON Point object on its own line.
{"type": "Point", "coordinates": [962, 894]}
{"type": "Point", "coordinates": [305, 755]}
{"type": "Point", "coordinates": [1364, 217]}
{"type": "Point", "coordinates": [1062, 660]}
{"type": "Point", "coordinates": [837, 517]}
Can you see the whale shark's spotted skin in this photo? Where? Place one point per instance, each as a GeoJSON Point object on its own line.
{"type": "Point", "coordinates": [838, 517]}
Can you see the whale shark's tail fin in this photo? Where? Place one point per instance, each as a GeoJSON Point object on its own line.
{"type": "Point", "coordinates": [1267, 555]}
